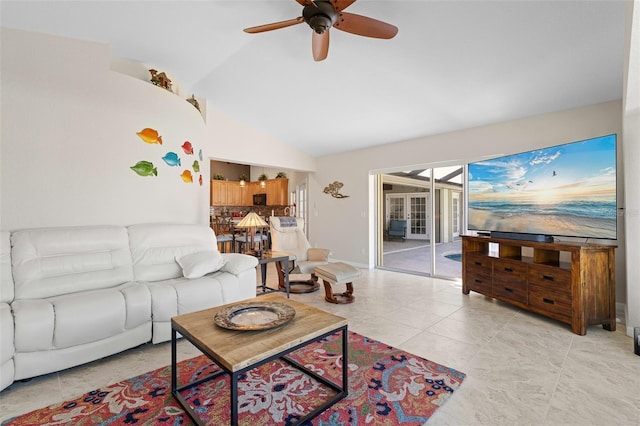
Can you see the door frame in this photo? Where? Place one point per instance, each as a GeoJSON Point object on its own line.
{"type": "Point", "coordinates": [407, 212]}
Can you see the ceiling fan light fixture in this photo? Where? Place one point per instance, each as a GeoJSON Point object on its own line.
{"type": "Point", "coordinates": [320, 16]}
{"type": "Point", "coordinates": [320, 23]}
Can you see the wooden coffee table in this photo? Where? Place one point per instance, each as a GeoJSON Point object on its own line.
{"type": "Point", "coordinates": [237, 351]}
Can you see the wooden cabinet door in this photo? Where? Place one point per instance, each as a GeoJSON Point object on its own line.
{"type": "Point", "coordinates": [234, 193]}
{"type": "Point", "coordinates": [247, 192]}
{"type": "Point", "coordinates": [277, 192]}
{"type": "Point", "coordinates": [218, 193]}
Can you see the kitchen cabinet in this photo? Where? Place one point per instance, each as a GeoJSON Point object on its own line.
{"type": "Point", "coordinates": [277, 191]}
{"type": "Point", "coordinates": [226, 193]}
{"type": "Point", "coordinates": [230, 193]}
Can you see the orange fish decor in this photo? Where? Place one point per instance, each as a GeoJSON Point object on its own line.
{"type": "Point", "coordinates": [187, 148]}
{"type": "Point", "coordinates": [187, 177]}
{"type": "Point", "coordinates": [200, 180]}
{"type": "Point", "coordinates": [150, 136]}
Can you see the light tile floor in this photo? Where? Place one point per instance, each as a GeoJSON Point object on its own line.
{"type": "Point", "coordinates": [522, 369]}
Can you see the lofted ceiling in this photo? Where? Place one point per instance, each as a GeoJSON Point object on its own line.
{"type": "Point", "coordinates": [453, 64]}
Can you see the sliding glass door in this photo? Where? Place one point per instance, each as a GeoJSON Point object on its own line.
{"type": "Point", "coordinates": [432, 212]}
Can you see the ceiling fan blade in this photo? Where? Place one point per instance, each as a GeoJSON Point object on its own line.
{"type": "Point", "coordinates": [307, 3]}
{"type": "Point", "coordinates": [340, 5]}
{"type": "Point", "coordinates": [365, 26]}
{"type": "Point", "coordinates": [320, 45]}
{"type": "Point", "coordinates": [274, 26]}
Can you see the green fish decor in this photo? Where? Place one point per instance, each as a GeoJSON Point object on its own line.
{"type": "Point", "coordinates": [196, 166]}
{"type": "Point", "coordinates": [145, 168]}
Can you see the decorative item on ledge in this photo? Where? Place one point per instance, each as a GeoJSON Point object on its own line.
{"type": "Point", "coordinates": [218, 176]}
{"type": "Point", "coordinates": [160, 79]}
{"type": "Point", "coordinates": [193, 101]}
{"type": "Point", "coordinates": [262, 179]}
{"type": "Point", "coordinates": [333, 189]}
{"type": "Point", "coordinates": [281, 175]}
{"type": "Point", "coordinates": [243, 179]}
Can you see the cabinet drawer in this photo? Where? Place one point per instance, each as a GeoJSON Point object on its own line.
{"type": "Point", "coordinates": [510, 289]}
{"type": "Point", "coordinates": [510, 270]}
{"type": "Point", "coordinates": [553, 303]}
{"type": "Point", "coordinates": [479, 263]}
{"type": "Point", "coordinates": [478, 282]}
{"type": "Point", "coordinates": [550, 277]}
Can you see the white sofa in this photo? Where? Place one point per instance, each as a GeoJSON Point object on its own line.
{"type": "Point", "coordinates": [76, 294]}
{"type": "Point", "coordinates": [6, 319]}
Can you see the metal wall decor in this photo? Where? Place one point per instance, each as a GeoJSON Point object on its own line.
{"type": "Point", "coordinates": [333, 189]}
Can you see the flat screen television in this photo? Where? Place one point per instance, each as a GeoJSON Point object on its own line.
{"type": "Point", "coordinates": [564, 190]}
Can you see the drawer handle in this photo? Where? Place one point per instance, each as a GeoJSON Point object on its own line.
{"type": "Point", "coordinates": [478, 281]}
{"type": "Point", "coordinates": [549, 301]}
{"type": "Point", "coordinates": [510, 290]}
{"type": "Point", "coordinates": [548, 278]}
{"type": "Point", "coordinates": [478, 263]}
{"type": "Point", "coordinates": [508, 270]}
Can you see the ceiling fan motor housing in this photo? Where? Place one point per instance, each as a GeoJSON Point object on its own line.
{"type": "Point", "coordinates": [320, 17]}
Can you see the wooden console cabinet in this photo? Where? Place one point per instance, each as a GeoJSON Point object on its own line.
{"type": "Point", "coordinates": [570, 282]}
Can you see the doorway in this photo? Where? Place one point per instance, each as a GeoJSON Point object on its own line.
{"type": "Point", "coordinates": [412, 208]}
{"type": "Point", "coordinates": [432, 209]}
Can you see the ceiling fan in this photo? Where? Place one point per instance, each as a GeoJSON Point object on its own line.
{"type": "Point", "coordinates": [321, 15]}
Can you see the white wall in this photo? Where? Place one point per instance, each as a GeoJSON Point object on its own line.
{"type": "Point", "coordinates": [69, 140]}
{"type": "Point", "coordinates": [343, 225]}
{"type": "Point", "coordinates": [237, 143]}
{"type": "Point", "coordinates": [631, 132]}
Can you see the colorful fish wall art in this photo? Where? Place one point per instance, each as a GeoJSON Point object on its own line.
{"type": "Point", "coordinates": [150, 136]}
{"type": "Point", "coordinates": [170, 159]}
{"type": "Point", "coordinates": [187, 148]}
{"type": "Point", "coordinates": [145, 168]}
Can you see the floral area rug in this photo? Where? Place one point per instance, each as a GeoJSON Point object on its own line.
{"type": "Point", "coordinates": [387, 386]}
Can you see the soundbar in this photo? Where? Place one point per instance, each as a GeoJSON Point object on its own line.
{"type": "Point", "coordinates": [523, 237]}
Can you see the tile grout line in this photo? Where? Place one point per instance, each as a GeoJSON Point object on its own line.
{"type": "Point", "coordinates": [555, 386]}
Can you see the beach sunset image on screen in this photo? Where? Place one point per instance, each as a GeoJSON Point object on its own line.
{"type": "Point", "coordinates": [564, 190]}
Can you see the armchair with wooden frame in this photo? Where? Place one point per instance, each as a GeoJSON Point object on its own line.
{"type": "Point", "coordinates": [287, 236]}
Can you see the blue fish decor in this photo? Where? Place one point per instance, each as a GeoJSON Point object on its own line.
{"type": "Point", "coordinates": [172, 159]}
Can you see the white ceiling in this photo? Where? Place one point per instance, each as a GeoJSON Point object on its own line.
{"type": "Point", "coordinates": [453, 64]}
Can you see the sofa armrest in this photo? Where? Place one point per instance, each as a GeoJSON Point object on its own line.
{"type": "Point", "coordinates": [236, 263]}
{"type": "Point", "coordinates": [318, 254]}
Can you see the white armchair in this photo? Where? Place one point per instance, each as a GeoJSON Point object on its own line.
{"type": "Point", "coordinates": [287, 236]}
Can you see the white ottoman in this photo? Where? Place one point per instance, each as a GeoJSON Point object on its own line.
{"type": "Point", "coordinates": [337, 273]}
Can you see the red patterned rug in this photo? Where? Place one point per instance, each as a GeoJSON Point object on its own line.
{"type": "Point", "coordinates": [387, 386]}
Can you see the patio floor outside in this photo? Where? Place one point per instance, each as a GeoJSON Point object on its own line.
{"type": "Point", "coordinates": [414, 256]}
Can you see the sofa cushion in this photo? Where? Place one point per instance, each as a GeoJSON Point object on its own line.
{"type": "Point", "coordinates": [181, 295]}
{"type": "Point", "coordinates": [6, 346]}
{"type": "Point", "coordinates": [79, 318]}
{"type": "Point", "coordinates": [196, 265]}
{"type": "Point", "coordinates": [6, 279]}
{"type": "Point", "coordinates": [52, 261]}
{"type": "Point", "coordinates": [155, 247]}
{"type": "Point", "coordinates": [235, 263]}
